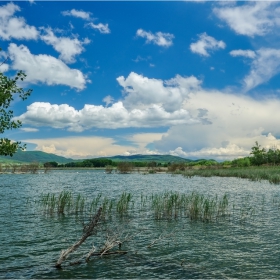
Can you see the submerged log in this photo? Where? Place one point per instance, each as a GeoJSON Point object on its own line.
{"type": "Point", "coordinates": [88, 231]}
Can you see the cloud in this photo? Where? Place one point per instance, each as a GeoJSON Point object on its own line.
{"type": "Point", "coordinates": [79, 147]}
{"type": "Point", "coordinates": [12, 27]}
{"type": "Point", "coordinates": [94, 146]}
{"type": "Point", "coordinates": [140, 58]}
{"type": "Point", "coordinates": [4, 67]}
{"type": "Point", "coordinates": [108, 100]}
{"type": "Point", "coordinates": [245, 53]}
{"type": "Point", "coordinates": [237, 121]}
{"type": "Point", "coordinates": [143, 139]}
{"type": "Point", "coordinates": [265, 65]}
{"type": "Point", "coordinates": [206, 43]}
{"type": "Point", "coordinates": [29, 129]}
{"type": "Point", "coordinates": [141, 91]}
{"type": "Point", "coordinates": [252, 18]}
{"type": "Point", "coordinates": [91, 116]}
{"type": "Point", "coordinates": [45, 68]}
{"type": "Point", "coordinates": [67, 47]}
{"type": "Point", "coordinates": [198, 127]}
{"type": "Point", "coordinates": [231, 151]}
{"type": "Point", "coordinates": [159, 38]}
{"type": "Point", "coordinates": [147, 103]}
{"type": "Point", "coordinates": [77, 13]}
{"type": "Point", "coordinates": [102, 28]}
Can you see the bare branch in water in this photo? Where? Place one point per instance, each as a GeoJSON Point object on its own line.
{"type": "Point", "coordinates": [88, 231]}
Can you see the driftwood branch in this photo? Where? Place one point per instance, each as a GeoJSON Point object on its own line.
{"type": "Point", "coordinates": [161, 237]}
{"type": "Point", "coordinates": [90, 253]}
{"type": "Point", "coordinates": [88, 231]}
{"type": "Point", "coordinates": [110, 253]}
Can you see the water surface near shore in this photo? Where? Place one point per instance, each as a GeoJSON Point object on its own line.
{"type": "Point", "coordinates": [237, 247]}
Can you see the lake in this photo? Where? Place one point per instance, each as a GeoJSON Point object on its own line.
{"type": "Point", "coordinates": [243, 244]}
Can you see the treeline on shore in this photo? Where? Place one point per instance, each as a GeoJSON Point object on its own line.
{"type": "Point", "coordinates": [103, 162]}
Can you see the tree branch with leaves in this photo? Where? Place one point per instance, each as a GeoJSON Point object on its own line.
{"type": "Point", "coordinates": [8, 89]}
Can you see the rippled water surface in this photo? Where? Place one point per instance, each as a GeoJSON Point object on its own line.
{"type": "Point", "coordinates": [246, 244]}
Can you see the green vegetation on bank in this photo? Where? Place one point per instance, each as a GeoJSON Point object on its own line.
{"type": "Point", "coordinates": [272, 174]}
{"type": "Point", "coordinates": [103, 162]}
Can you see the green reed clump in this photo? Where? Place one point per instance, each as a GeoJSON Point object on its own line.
{"type": "Point", "coordinates": [79, 204]}
{"type": "Point", "coordinates": [195, 206]}
{"type": "Point", "coordinates": [271, 174]}
{"type": "Point", "coordinates": [64, 201]}
{"type": "Point", "coordinates": [49, 202]}
{"type": "Point", "coordinates": [95, 202]}
{"type": "Point", "coordinates": [123, 203]}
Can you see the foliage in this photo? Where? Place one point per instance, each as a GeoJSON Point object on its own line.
{"type": "Point", "coordinates": [270, 174]}
{"type": "Point", "coordinates": [34, 167]}
{"type": "Point", "coordinates": [8, 88]}
{"type": "Point", "coordinates": [241, 162]}
{"type": "Point", "coordinates": [51, 164]}
{"type": "Point", "coordinates": [262, 156]}
{"type": "Point", "coordinates": [108, 169]}
{"type": "Point", "coordinates": [151, 164]}
{"type": "Point", "coordinates": [176, 166]}
{"type": "Point", "coordinates": [204, 162]}
{"type": "Point", "coordinates": [125, 167]}
{"type": "Point", "coordinates": [258, 154]}
{"type": "Point", "coordinates": [95, 162]}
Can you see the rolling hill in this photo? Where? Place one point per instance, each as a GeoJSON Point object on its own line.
{"type": "Point", "coordinates": [157, 158]}
{"type": "Point", "coordinates": [42, 157]}
{"type": "Point", "coordinates": [34, 156]}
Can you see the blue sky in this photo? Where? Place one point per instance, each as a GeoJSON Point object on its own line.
{"type": "Point", "coordinates": [195, 79]}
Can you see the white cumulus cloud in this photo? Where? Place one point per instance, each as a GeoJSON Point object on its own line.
{"type": "Point", "coordinates": [159, 38]}
{"type": "Point", "coordinates": [15, 27]}
{"type": "Point", "coordinates": [206, 123]}
{"type": "Point", "coordinates": [4, 67]}
{"type": "Point", "coordinates": [235, 122]}
{"type": "Point", "coordinates": [29, 129]}
{"type": "Point", "coordinates": [94, 146]}
{"type": "Point", "coordinates": [146, 103]}
{"type": "Point", "coordinates": [108, 100]}
{"type": "Point", "coordinates": [205, 44]}
{"type": "Point", "coordinates": [45, 68]}
{"type": "Point", "coordinates": [67, 47]}
{"type": "Point", "coordinates": [265, 65]}
{"type": "Point", "coordinates": [80, 147]}
{"type": "Point", "coordinates": [252, 18]}
{"type": "Point", "coordinates": [231, 151]}
{"type": "Point", "coordinates": [245, 53]}
{"type": "Point", "coordinates": [102, 28]}
{"type": "Point", "coordinates": [141, 91]}
{"type": "Point", "coordinates": [91, 116]}
{"type": "Point", "coordinates": [77, 13]}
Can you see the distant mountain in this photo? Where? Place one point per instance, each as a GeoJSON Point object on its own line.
{"type": "Point", "coordinates": [34, 156]}
{"type": "Point", "coordinates": [157, 158]}
{"type": "Point", "coordinates": [42, 157]}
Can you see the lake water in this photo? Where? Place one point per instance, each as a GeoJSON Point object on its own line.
{"type": "Point", "coordinates": [244, 245]}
